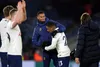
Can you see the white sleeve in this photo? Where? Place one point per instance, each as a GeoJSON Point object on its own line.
{"type": "Point", "coordinates": [54, 42]}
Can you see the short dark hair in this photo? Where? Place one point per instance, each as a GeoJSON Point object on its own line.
{"type": "Point", "coordinates": [40, 12]}
{"type": "Point", "coordinates": [50, 24]}
{"type": "Point", "coordinates": [6, 10]}
{"type": "Point", "coordinates": [12, 11]}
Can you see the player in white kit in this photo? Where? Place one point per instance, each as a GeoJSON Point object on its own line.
{"type": "Point", "coordinates": [15, 48]}
{"type": "Point", "coordinates": [4, 35]}
{"type": "Point", "coordinates": [59, 42]}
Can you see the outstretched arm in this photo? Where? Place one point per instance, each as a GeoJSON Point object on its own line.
{"type": "Point", "coordinates": [20, 15]}
{"type": "Point", "coordinates": [54, 42]}
{"type": "Point", "coordinates": [80, 45]}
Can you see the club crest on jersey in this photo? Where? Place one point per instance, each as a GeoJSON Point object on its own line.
{"type": "Point", "coordinates": [40, 29]}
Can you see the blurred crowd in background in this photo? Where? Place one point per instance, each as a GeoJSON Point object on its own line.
{"type": "Point", "coordinates": [66, 12]}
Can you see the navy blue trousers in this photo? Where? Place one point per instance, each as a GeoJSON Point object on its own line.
{"type": "Point", "coordinates": [63, 62]}
{"type": "Point", "coordinates": [14, 61]}
{"type": "Point", "coordinates": [47, 56]}
{"type": "Point", "coordinates": [4, 60]}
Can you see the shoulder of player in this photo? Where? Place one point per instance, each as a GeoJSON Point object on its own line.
{"type": "Point", "coordinates": [5, 20]}
{"type": "Point", "coordinates": [2, 23]}
{"type": "Point", "coordinates": [59, 34]}
{"type": "Point", "coordinates": [36, 28]}
{"type": "Point", "coordinates": [9, 24]}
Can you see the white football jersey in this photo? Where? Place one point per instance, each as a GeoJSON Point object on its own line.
{"type": "Point", "coordinates": [60, 43]}
{"type": "Point", "coordinates": [15, 47]}
{"type": "Point", "coordinates": [4, 35]}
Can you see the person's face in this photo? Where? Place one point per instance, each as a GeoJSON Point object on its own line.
{"type": "Point", "coordinates": [50, 29]}
{"type": "Point", "coordinates": [41, 17]}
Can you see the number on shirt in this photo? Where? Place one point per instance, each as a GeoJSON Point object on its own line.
{"type": "Point", "coordinates": [60, 63]}
{"type": "Point", "coordinates": [64, 38]}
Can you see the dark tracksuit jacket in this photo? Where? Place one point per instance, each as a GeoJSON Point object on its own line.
{"type": "Point", "coordinates": [88, 49]}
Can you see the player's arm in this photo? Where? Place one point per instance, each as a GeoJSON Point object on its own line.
{"type": "Point", "coordinates": [80, 44]}
{"type": "Point", "coordinates": [54, 42]}
{"type": "Point", "coordinates": [24, 11]}
{"type": "Point", "coordinates": [20, 15]}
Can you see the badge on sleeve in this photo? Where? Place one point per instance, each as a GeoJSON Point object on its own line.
{"type": "Point", "coordinates": [40, 29]}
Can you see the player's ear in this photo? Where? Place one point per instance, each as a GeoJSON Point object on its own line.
{"type": "Point", "coordinates": [37, 16]}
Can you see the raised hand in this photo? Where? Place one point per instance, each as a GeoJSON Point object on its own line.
{"type": "Point", "coordinates": [19, 5]}
{"type": "Point", "coordinates": [77, 60]}
{"type": "Point", "coordinates": [24, 3]}
{"type": "Point", "coordinates": [21, 12]}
